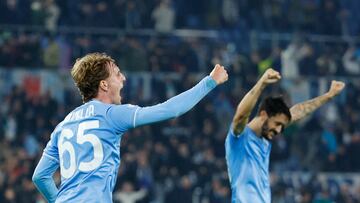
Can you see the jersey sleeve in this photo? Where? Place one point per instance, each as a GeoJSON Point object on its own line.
{"type": "Point", "coordinates": [235, 141]}
{"type": "Point", "coordinates": [176, 105]}
{"type": "Point", "coordinates": [122, 117]}
{"type": "Point", "coordinates": [128, 116]}
{"type": "Point", "coordinates": [45, 169]}
{"type": "Point", "coordinates": [42, 177]}
{"type": "Point", "coordinates": [51, 149]}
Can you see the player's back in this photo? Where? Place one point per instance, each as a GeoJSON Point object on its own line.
{"type": "Point", "coordinates": [88, 146]}
{"type": "Point", "coordinates": [247, 158]}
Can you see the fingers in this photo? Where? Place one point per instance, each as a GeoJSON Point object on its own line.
{"type": "Point", "coordinates": [336, 87]}
{"type": "Point", "coordinates": [270, 76]}
{"type": "Point", "coordinates": [224, 74]}
{"type": "Point", "coordinates": [273, 73]}
{"type": "Point", "coordinates": [218, 66]}
{"type": "Point", "coordinates": [338, 82]}
{"type": "Point", "coordinates": [226, 77]}
{"type": "Point", "coordinates": [274, 76]}
{"type": "Point", "coordinates": [219, 74]}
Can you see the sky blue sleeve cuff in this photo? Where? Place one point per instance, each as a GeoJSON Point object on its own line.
{"type": "Point", "coordinates": [210, 82]}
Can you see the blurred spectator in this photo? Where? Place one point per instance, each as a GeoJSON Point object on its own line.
{"type": "Point", "coordinates": [354, 148]}
{"type": "Point", "coordinates": [230, 12]}
{"type": "Point", "coordinates": [31, 145]}
{"type": "Point", "coordinates": [144, 173]}
{"type": "Point", "coordinates": [220, 193]}
{"type": "Point", "coordinates": [164, 17]}
{"type": "Point", "coordinates": [10, 128]}
{"type": "Point", "coordinates": [182, 192]}
{"type": "Point", "coordinates": [52, 54]}
{"type": "Point", "coordinates": [52, 15]}
{"type": "Point", "coordinates": [351, 60]}
{"type": "Point", "coordinates": [38, 13]}
{"type": "Point", "coordinates": [326, 63]}
{"type": "Point", "coordinates": [290, 58]}
{"type": "Point", "coordinates": [127, 194]}
{"type": "Point", "coordinates": [105, 18]}
{"type": "Point", "coordinates": [132, 15]}
{"type": "Point", "coordinates": [328, 18]}
{"type": "Point", "coordinates": [14, 12]}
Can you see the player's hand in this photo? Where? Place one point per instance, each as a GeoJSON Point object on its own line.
{"type": "Point", "coordinates": [219, 74]}
{"type": "Point", "coordinates": [335, 88]}
{"type": "Point", "coordinates": [270, 76]}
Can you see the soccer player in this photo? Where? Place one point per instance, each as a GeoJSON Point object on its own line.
{"type": "Point", "coordinates": [248, 145]}
{"type": "Point", "coordinates": [86, 144]}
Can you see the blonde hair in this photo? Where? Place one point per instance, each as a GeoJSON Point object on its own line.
{"type": "Point", "coordinates": [87, 73]}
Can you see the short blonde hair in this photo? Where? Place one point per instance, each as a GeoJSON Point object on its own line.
{"type": "Point", "coordinates": [87, 73]}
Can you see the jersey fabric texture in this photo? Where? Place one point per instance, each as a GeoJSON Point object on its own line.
{"type": "Point", "coordinates": [247, 159]}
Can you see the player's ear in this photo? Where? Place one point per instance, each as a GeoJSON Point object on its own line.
{"type": "Point", "coordinates": [104, 85]}
{"type": "Point", "coordinates": [263, 114]}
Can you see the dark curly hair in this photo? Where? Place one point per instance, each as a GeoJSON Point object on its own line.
{"type": "Point", "coordinates": [273, 106]}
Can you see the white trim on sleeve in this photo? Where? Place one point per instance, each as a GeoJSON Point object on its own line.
{"type": "Point", "coordinates": [51, 157]}
{"type": "Point", "coordinates": [137, 109]}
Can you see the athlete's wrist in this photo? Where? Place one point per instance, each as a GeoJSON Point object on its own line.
{"type": "Point", "coordinates": [210, 81]}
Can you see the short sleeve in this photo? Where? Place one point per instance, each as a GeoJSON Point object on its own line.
{"type": "Point", "coordinates": [233, 134]}
{"type": "Point", "coordinates": [237, 141]}
{"type": "Point", "coordinates": [51, 149]}
{"type": "Point", "coordinates": [122, 117]}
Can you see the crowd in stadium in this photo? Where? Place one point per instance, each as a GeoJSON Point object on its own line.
{"type": "Point", "coordinates": [182, 159]}
{"type": "Point", "coordinates": [175, 54]}
{"type": "Point", "coordinates": [56, 49]}
{"type": "Point", "coordinates": [331, 17]}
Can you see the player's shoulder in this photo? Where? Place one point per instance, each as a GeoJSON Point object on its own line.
{"type": "Point", "coordinates": [235, 142]}
{"type": "Point", "coordinates": [233, 134]}
{"type": "Point", "coordinates": [123, 107]}
{"type": "Point", "coordinates": [125, 111]}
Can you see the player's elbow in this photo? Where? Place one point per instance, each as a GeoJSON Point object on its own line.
{"type": "Point", "coordinates": [36, 178]}
{"type": "Point", "coordinates": [174, 113]}
{"type": "Point", "coordinates": [178, 113]}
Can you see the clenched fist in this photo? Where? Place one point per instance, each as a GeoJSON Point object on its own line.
{"type": "Point", "coordinates": [335, 88]}
{"type": "Point", "coordinates": [270, 76]}
{"type": "Point", "coordinates": [219, 74]}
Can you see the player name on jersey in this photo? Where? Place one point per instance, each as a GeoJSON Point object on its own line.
{"type": "Point", "coordinates": [80, 114]}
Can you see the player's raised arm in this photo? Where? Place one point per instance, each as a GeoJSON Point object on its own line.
{"type": "Point", "coordinates": [247, 104]}
{"type": "Point", "coordinates": [183, 102]}
{"type": "Point", "coordinates": [299, 111]}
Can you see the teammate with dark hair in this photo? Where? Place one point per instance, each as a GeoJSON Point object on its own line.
{"type": "Point", "coordinates": [248, 143]}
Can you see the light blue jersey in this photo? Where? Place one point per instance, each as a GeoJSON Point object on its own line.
{"type": "Point", "coordinates": [247, 158]}
{"type": "Point", "coordinates": [86, 145]}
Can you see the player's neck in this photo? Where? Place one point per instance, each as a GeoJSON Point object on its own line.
{"type": "Point", "coordinates": [256, 125]}
{"type": "Point", "coordinates": [103, 98]}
